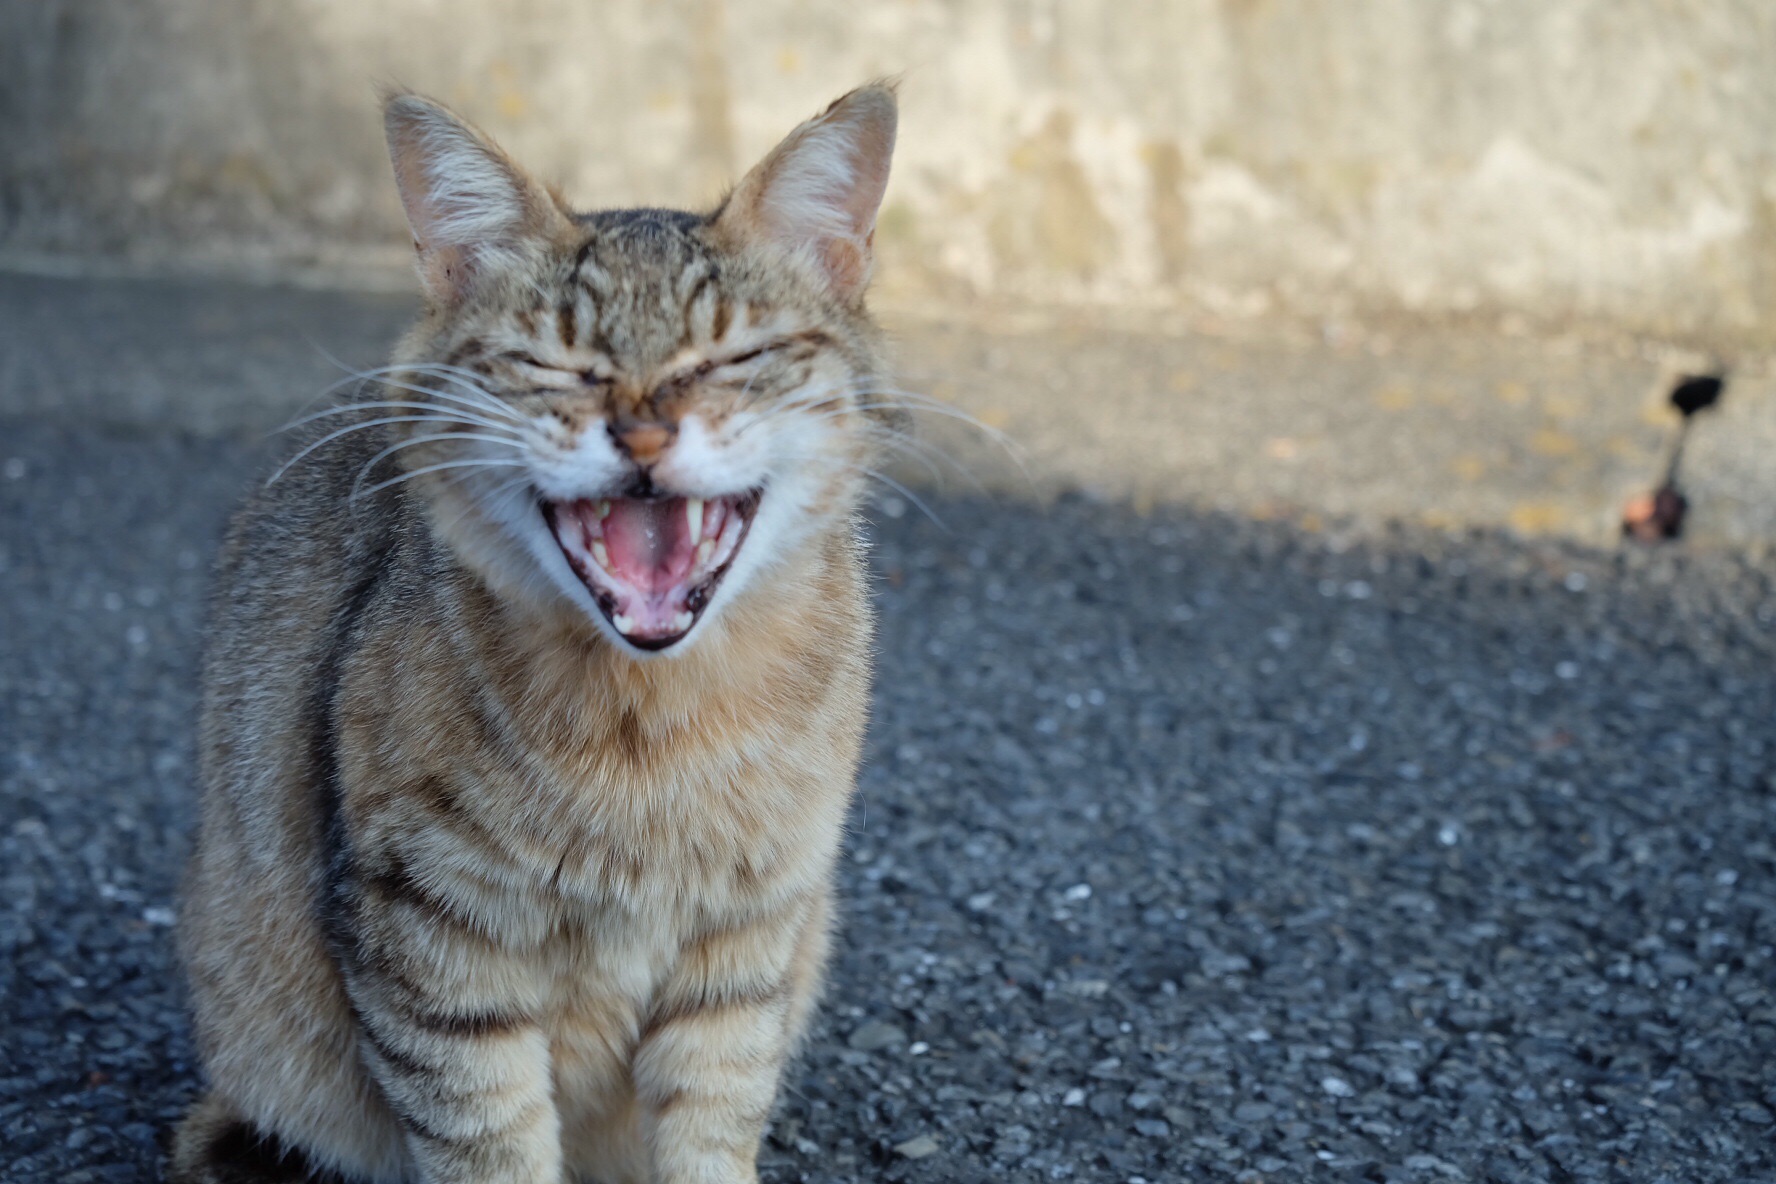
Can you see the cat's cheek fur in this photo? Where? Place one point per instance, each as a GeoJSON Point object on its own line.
{"type": "Point", "coordinates": [780, 530]}
{"type": "Point", "coordinates": [584, 465]}
{"type": "Point", "coordinates": [709, 463]}
{"type": "Point", "coordinates": [540, 542]}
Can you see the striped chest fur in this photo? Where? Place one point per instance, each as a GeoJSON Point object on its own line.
{"type": "Point", "coordinates": [535, 689]}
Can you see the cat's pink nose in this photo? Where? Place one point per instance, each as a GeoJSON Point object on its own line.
{"type": "Point", "coordinates": [644, 442]}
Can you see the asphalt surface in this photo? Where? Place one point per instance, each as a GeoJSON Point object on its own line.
{"type": "Point", "coordinates": [1193, 843]}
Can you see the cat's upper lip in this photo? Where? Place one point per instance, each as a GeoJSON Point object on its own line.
{"type": "Point", "coordinates": [652, 563]}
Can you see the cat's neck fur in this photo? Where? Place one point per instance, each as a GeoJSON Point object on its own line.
{"type": "Point", "coordinates": [546, 660]}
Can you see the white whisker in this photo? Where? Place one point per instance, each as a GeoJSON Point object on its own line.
{"type": "Point", "coordinates": [449, 464]}
{"type": "Point", "coordinates": [441, 413]}
{"type": "Point", "coordinates": [926, 454]}
{"type": "Point", "coordinates": [377, 373]}
{"type": "Point", "coordinates": [465, 380]}
{"type": "Point", "coordinates": [415, 441]}
{"type": "Point", "coordinates": [875, 475]}
{"type": "Point", "coordinates": [428, 390]}
{"type": "Point", "coordinates": [358, 427]}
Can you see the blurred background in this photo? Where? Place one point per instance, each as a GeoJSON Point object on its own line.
{"type": "Point", "coordinates": [1102, 188]}
{"type": "Point", "coordinates": [1282, 768]}
{"type": "Point", "coordinates": [1588, 158]}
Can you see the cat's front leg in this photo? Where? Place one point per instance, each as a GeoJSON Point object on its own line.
{"type": "Point", "coordinates": [447, 1032]}
{"type": "Point", "coordinates": [727, 1020]}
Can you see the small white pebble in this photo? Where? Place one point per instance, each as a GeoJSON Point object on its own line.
{"type": "Point", "coordinates": [156, 914]}
{"type": "Point", "coordinates": [136, 635]}
{"type": "Point", "coordinates": [980, 902]}
{"type": "Point", "coordinates": [1359, 590]}
{"type": "Point", "coordinates": [1575, 581]}
{"type": "Point", "coordinates": [1324, 1156]}
{"type": "Point", "coordinates": [1726, 877]}
{"type": "Point", "coordinates": [1078, 892]}
{"type": "Point", "coordinates": [1449, 834]}
{"type": "Point", "coordinates": [1567, 670]}
{"type": "Point", "coordinates": [1258, 1036]}
{"type": "Point", "coordinates": [918, 1048]}
{"type": "Point", "coordinates": [918, 1148]}
{"type": "Point", "coordinates": [1338, 1087]}
{"type": "Point", "coordinates": [1073, 1097]}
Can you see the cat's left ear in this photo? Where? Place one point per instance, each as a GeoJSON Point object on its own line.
{"type": "Point", "coordinates": [474, 213]}
{"type": "Point", "coordinates": [815, 196]}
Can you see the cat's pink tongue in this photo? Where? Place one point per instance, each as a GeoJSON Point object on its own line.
{"type": "Point", "coordinates": [649, 542]}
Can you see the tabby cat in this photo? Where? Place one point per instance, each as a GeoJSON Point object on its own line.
{"type": "Point", "coordinates": [535, 687]}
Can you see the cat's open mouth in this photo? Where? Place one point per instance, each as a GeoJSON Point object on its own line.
{"type": "Point", "coordinates": [652, 563]}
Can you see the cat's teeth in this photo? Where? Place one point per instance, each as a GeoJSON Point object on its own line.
{"type": "Point", "coordinates": [602, 508]}
{"type": "Point", "coordinates": [623, 623]}
{"type": "Point", "coordinates": [705, 549]}
{"type": "Point", "coordinates": [694, 512]}
{"type": "Point", "coordinates": [683, 621]}
{"type": "Point", "coordinates": [601, 554]}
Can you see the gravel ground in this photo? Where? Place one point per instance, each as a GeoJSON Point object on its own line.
{"type": "Point", "coordinates": [1190, 847]}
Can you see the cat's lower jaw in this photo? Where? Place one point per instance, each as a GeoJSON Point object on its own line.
{"type": "Point", "coordinates": [652, 565]}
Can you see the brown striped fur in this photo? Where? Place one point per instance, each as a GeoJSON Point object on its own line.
{"type": "Point", "coordinates": [482, 894]}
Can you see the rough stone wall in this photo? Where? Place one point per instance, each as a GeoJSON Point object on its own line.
{"type": "Point", "coordinates": [1608, 160]}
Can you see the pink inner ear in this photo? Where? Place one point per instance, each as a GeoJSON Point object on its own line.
{"type": "Point", "coordinates": [846, 263]}
{"type": "Point", "coordinates": [468, 204]}
{"type": "Point", "coordinates": [818, 192]}
{"type": "Point", "coordinates": [872, 150]}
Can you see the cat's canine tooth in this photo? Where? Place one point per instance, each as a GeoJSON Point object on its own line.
{"type": "Point", "coordinates": [694, 512]}
{"type": "Point", "coordinates": [601, 554]}
{"type": "Point", "coordinates": [683, 621]}
{"type": "Point", "coordinates": [601, 508]}
{"type": "Point", "coordinates": [705, 549]}
{"type": "Point", "coordinates": [623, 623]}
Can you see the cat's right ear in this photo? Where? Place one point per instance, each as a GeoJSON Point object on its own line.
{"type": "Point", "coordinates": [814, 197]}
{"type": "Point", "coordinates": [473, 211]}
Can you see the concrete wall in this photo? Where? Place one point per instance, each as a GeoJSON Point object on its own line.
{"type": "Point", "coordinates": [1608, 160]}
